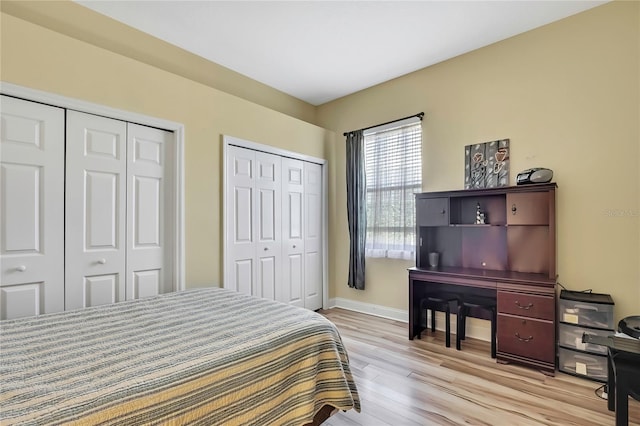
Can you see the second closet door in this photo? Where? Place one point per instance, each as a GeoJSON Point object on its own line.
{"type": "Point", "coordinates": [95, 202]}
{"type": "Point", "coordinates": [254, 240]}
{"type": "Point", "coordinates": [274, 228]}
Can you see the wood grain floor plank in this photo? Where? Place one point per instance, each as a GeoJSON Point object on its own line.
{"type": "Point", "coordinates": [422, 382]}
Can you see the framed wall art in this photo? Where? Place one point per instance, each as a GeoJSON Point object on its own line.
{"type": "Point", "coordinates": [486, 165]}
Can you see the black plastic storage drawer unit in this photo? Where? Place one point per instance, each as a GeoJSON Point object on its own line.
{"type": "Point", "coordinates": [579, 313]}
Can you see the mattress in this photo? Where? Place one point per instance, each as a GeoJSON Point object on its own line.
{"type": "Point", "coordinates": [201, 357]}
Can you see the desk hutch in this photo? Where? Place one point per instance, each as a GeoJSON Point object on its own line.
{"type": "Point", "coordinates": [498, 242]}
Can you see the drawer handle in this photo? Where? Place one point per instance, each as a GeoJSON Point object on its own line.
{"type": "Point", "coordinates": [514, 209]}
{"type": "Point", "coordinates": [527, 307]}
{"type": "Point", "coordinates": [523, 339]}
{"type": "Point", "coordinates": [443, 211]}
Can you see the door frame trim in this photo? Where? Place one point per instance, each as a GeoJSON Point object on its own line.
{"type": "Point", "coordinates": [231, 140]}
{"type": "Point", "coordinates": [61, 101]}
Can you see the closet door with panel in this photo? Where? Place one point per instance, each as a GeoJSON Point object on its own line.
{"type": "Point", "coordinates": [150, 240]}
{"type": "Point", "coordinates": [313, 248]}
{"type": "Point", "coordinates": [118, 235]}
{"type": "Point", "coordinates": [293, 228]}
{"type": "Point", "coordinates": [86, 213]}
{"type": "Point", "coordinates": [239, 246]}
{"type": "Point", "coordinates": [254, 240]}
{"type": "Point", "coordinates": [274, 227]}
{"type": "Point", "coordinates": [31, 208]}
{"type": "Point", "coordinates": [95, 232]}
{"type": "Point", "coordinates": [267, 226]}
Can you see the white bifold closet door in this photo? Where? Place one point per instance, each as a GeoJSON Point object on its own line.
{"type": "Point", "coordinates": [293, 230]}
{"type": "Point", "coordinates": [302, 233]}
{"type": "Point", "coordinates": [313, 235]}
{"type": "Point", "coordinates": [273, 238]}
{"type": "Point", "coordinates": [31, 208]}
{"type": "Point", "coordinates": [268, 226]}
{"type": "Point", "coordinates": [254, 238]}
{"type": "Point", "coordinates": [150, 197]}
{"type": "Point", "coordinates": [95, 237]}
{"type": "Point", "coordinates": [116, 238]}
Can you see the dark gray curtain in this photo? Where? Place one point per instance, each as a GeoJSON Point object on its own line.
{"type": "Point", "coordinates": [356, 207]}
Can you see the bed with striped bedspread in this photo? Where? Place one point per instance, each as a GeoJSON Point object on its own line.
{"type": "Point", "coordinates": [200, 357]}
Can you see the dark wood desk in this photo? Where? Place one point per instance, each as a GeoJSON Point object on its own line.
{"type": "Point", "coordinates": [623, 372]}
{"type": "Point", "coordinates": [526, 309]}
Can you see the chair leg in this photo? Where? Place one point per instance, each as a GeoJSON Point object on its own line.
{"type": "Point", "coordinates": [426, 320]}
{"type": "Point", "coordinates": [493, 332]}
{"type": "Point", "coordinates": [463, 334]}
{"type": "Point", "coordinates": [433, 320]}
{"type": "Point", "coordinates": [447, 329]}
{"type": "Point", "coordinates": [459, 326]}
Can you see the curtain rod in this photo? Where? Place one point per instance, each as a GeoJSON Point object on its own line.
{"type": "Point", "coordinates": [419, 115]}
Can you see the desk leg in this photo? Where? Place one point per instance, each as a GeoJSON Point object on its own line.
{"type": "Point", "coordinates": [622, 403]}
{"type": "Point", "coordinates": [411, 320]}
{"type": "Point", "coordinates": [611, 382]}
{"type": "Point", "coordinates": [626, 379]}
{"type": "Point", "coordinates": [414, 312]}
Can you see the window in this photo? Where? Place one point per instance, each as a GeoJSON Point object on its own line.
{"type": "Point", "coordinates": [393, 164]}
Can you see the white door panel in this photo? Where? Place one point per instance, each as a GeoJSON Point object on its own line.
{"type": "Point", "coordinates": [147, 202]}
{"type": "Point", "coordinates": [21, 191]}
{"type": "Point", "coordinates": [267, 280]}
{"type": "Point", "coordinates": [102, 209]}
{"type": "Point", "coordinates": [293, 270]}
{"type": "Point", "coordinates": [22, 300]}
{"type": "Point", "coordinates": [149, 216]}
{"type": "Point", "coordinates": [267, 214]}
{"type": "Point", "coordinates": [31, 208]}
{"type": "Point", "coordinates": [242, 277]}
{"type": "Point", "coordinates": [292, 224]}
{"type": "Point", "coordinates": [95, 238]}
{"type": "Point", "coordinates": [313, 236]}
{"type": "Point", "coordinates": [146, 283]}
{"type": "Point", "coordinates": [101, 289]}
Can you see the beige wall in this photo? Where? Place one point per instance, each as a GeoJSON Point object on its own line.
{"type": "Point", "coordinates": [39, 58]}
{"type": "Point", "coordinates": [567, 95]}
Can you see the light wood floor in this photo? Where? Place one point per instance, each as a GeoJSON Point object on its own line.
{"type": "Point", "coordinates": [421, 382]}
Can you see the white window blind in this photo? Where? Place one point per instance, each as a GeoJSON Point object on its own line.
{"type": "Point", "coordinates": [393, 164]}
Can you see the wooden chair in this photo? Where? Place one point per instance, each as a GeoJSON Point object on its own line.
{"type": "Point", "coordinates": [480, 303]}
{"type": "Point", "coordinates": [440, 302]}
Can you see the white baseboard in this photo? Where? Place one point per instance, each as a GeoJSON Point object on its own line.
{"type": "Point", "coordinates": [369, 308]}
{"type": "Point", "coordinates": [477, 329]}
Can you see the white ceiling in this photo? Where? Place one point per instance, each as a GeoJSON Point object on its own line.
{"type": "Point", "coordinates": [318, 51]}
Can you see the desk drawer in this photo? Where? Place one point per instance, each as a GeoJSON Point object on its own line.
{"type": "Point", "coordinates": [526, 305]}
{"type": "Point", "coordinates": [530, 338]}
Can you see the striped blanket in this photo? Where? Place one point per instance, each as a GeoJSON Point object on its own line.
{"type": "Point", "coordinates": [198, 357]}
